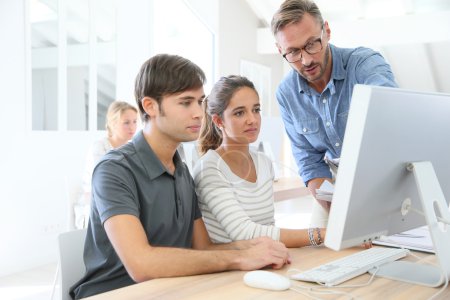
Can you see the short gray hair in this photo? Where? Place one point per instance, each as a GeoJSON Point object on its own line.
{"type": "Point", "coordinates": [292, 11]}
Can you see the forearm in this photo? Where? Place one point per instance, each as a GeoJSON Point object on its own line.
{"type": "Point", "coordinates": [143, 261]}
{"type": "Point", "coordinates": [315, 183]}
{"type": "Point", "coordinates": [201, 240]}
{"type": "Point", "coordinates": [236, 245]}
{"type": "Point", "coordinates": [294, 238]}
{"type": "Point", "coordinates": [159, 262]}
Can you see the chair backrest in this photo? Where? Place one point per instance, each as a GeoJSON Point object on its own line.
{"type": "Point", "coordinates": [71, 264]}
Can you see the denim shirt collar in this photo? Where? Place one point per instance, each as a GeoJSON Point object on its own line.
{"type": "Point", "coordinates": [338, 73]}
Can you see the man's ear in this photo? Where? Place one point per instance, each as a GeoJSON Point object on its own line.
{"type": "Point", "coordinates": [217, 120]}
{"type": "Point", "coordinates": [150, 106]}
{"type": "Point", "coordinates": [327, 30]}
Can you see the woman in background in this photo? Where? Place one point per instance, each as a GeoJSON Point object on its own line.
{"type": "Point", "coordinates": [234, 184]}
{"type": "Point", "coordinates": [121, 125]}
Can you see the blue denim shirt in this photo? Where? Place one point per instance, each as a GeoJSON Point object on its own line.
{"type": "Point", "coordinates": [314, 122]}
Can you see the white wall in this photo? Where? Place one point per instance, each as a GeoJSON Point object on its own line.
{"type": "Point", "coordinates": [35, 166]}
{"type": "Point", "coordinates": [207, 11]}
{"type": "Point", "coordinates": [237, 31]}
{"type": "Point", "coordinates": [39, 169]}
{"type": "Point", "coordinates": [134, 28]}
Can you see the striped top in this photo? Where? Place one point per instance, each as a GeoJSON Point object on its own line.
{"type": "Point", "coordinates": [233, 208]}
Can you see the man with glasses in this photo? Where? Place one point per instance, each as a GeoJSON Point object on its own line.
{"type": "Point", "coordinates": [315, 96]}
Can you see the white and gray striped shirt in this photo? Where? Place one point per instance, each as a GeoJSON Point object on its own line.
{"type": "Point", "coordinates": [233, 208]}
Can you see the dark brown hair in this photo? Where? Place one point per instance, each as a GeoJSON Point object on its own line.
{"type": "Point", "coordinates": [165, 74]}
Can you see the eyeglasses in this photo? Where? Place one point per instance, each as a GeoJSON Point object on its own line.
{"type": "Point", "coordinates": [311, 48]}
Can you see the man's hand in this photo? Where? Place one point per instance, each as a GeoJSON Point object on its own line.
{"type": "Point", "coordinates": [314, 184]}
{"type": "Point", "coordinates": [264, 252]}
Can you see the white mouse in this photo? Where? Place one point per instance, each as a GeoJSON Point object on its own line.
{"type": "Point", "coordinates": [267, 280]}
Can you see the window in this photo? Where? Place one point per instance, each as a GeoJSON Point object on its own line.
{"type": "Point", "coordinates": [73, 55]}
{"type": "Point", "coordinates": [72, 63]}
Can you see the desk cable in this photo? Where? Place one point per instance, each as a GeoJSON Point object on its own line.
{"type": "Point", "coordinates": [440, 219]}
{"type": "Point", "coordinates": [443, 274]}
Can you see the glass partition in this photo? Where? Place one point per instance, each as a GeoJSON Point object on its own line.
{"type": "Point", "coordinates": [73, 63]}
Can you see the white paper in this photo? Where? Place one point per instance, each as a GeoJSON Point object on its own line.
{"type": "Point", "coordinates": [414, 239]}
{"type": "Point", "coordinates": [326, 188]}
{"type": "Point", "coordinates": [325, 191]}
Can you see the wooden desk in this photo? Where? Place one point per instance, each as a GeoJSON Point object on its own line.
{"type": "Point", "coordinates": [289, 188]}
{"type": "Point", "coordinates": [229, 285]}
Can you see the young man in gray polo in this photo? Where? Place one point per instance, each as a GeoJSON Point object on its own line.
{"type": "Point", "coordinates": [145, 222]}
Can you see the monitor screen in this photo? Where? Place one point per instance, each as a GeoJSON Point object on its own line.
{"type": "Point", "coordinates": [386, 129]}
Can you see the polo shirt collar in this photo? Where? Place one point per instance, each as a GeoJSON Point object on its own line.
{"type": "Point", "coordinates": [151, 162]}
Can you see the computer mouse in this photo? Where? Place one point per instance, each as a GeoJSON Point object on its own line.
{"type": "Point", "coordinates": [267, 280]}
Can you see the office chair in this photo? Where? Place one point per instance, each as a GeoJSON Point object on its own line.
{"type": "Point", "coordinates": [71, 265]}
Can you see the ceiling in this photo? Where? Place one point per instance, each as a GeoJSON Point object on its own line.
{"type": "Point", "coordinates": [413, 35]}
{"type": "Point", "coordinates": [356, 9]}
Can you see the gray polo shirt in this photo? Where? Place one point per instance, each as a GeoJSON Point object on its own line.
{"type": "Point", "coordinates": [132, 180]}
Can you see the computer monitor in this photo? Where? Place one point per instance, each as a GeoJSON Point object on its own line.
{"type": "Point", "coordinates": [376, 193]}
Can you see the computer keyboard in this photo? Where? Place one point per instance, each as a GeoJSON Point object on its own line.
{"type": "Point", "coordinates": [343, 269]}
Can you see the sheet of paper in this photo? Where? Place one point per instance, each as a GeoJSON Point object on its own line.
{"type": "Point", "coordinates": [325, 191]}
{"type": "Point", "coordinates": [326, 188]}
{"type": "Point", "coordinates": [414, 239]}
{"type": "Point", "coordinates": [324, 197]}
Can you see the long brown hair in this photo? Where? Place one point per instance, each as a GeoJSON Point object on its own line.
{"type": "Point", "coordinates": [215, 104]}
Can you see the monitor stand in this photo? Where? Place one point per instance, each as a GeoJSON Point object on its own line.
{"type": "Point", "coordinates": [435, 209]}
